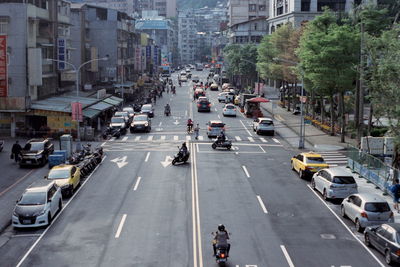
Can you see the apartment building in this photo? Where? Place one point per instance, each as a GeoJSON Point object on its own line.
{"type": "Point", "coordinates": [251, 31]}
{"type": "Point", "coordinates": [244, 10]}
{"type": "Point", "coordinates": [187, 36]}
{"type": "Point", "coordinates": [165, 8]}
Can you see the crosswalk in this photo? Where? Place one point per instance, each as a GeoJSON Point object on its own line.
{"type": "Point", "coordinates": [334, 158]}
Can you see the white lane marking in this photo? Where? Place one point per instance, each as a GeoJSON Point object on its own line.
{"type": "Point", "coordinates": [238, 138]}
{"type": "Point", "coordinates": [347, 228]}
{"type": "Point", "coordinates": [137, 138]}
{"type": "Point", "coordinates": [279, 117]}
{"type": "Point", "coordinates": [286, 254]}
{"type": "Point", "coordinates": [176, 138]}
{"type": "Point", "coordinates": [147, 157]}
{"type": "Point", "coordinates": [219, 117]}
{"type": "Point", "coordinates": [250, 139]}
{"type": "Point", "coordinates": [58, 215]}
{"type": "Point", "coordinates": [262, 205]}
{"type": "Point", "coordinates": [103, 144]}
{"type": "Point", "coordinates": [263, 140]}
{"type": "Point", "coordinates": [163, 137]}
{"type": "Point", "coordinates": [186, 113]}
{"type": "Point", "coordinates": [262, 148]}
{"type": "Point", "coordinates": [276, 140]}
{"type": "Point", "coordinates": [201, 138]}
{"type": "Point", "coordinates": [121, 224]}
{"type": "Point", "coordinates": [160, 123]}
{"type": "Point", "coordinates": [188, 137]}
{"type": "Point", "coordinates": [215, 109]}
{"type": "Point", "coordinates": [245, 171]}
{"type": "Point", "coordinates": [137, 183]}
{"type": "Point", "coordinates": [112, 139]}
{"type": "Point", "coordinates": [244, 126]}
{"type": "Point", "coordinates": [125, 138]}
{"type": "Point", "coordinates": [150, 138]}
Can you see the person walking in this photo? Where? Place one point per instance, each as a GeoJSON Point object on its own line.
{"type": "Point", "coordinates": [395, 189]}
{"type": "Point", "coordinates": [196, 131]}
{"type": "Point", "coordinates": [16, 151]}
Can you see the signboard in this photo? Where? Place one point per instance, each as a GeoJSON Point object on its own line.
{"type": "Point", "coordinates": [76, 111]}
{"type": "Point", "coordinates": [148, 53]}
{"type": "Point", "coordinates": [61, 53]}
{"type": "Point", "coordinates": [138, 59]}
{"type": "Point", "coordinates": [3, 66]}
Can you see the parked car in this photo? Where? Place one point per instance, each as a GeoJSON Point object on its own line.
{"type": "Point", "coordinates": [366, 209]}
{"type": "Point", "coordinates": [148, 109]}
{"type": "Point", "coordinates": [214, 128]}
{"type": "Point", "coordinates": [264, 125]}
{"type": "Point", "coordinates": [229, 110]}
{"type": "Point", "coordinates": [141, 122]}
{"type": "Point", "coordinates": [334, 183]}
{"type": "Point", "coordinates": [119, 123]}
{"type": "Point", "coordinates": [195, 79]}
{"type": "Point", "coordinates": [36, 152]}
{"type": "Point", "coordinates": [67, 177]}
{"type": "Point", "coordinates": [386, 239]}
{"type": "Point", "coordinates": [37, 205]}
{"type": "Point", "coordinates": [308, 163]}
{"type": "Point", "coordinates": [203, 104]}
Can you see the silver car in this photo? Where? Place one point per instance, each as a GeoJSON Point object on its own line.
{"type": "Point", "coordinates": [366, 210]}
{"type": "Point", "coordinates": [264, 125]}
{"type": "Point", "coordinates": [215, 127]}
{"type": "Point", "coordinates": [334, 183]}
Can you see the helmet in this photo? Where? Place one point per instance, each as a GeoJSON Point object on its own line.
{"type": "Point", "coordinates": [184, 144]}
{"type": "Point", "coordinates": [221, 227]}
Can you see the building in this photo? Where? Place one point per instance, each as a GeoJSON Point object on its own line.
{"type": "Point", "coordinates": [297, 12]}
{"type": "Point", "coordinates": [244, 10]}
{"type": "Point", "coordinates": [127, 6]}
{"type": "Point", "coordinates": [187, 36]}
{"type": "Point", "coordinates": [251, 31]}
{"type": "Point", "coordinates": [165, 8]}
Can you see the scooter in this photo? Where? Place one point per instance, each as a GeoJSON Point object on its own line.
{"type": "Point", "coordinates": [112, 132]}
{"type": "Point", "coordinates": [225, 144]}
{"type": "Point", "coordinates": [221, 256]}
{"type": "Point", "coordinates": [167, 112]}
{"type": "Point", "coordinates": [179, 159]}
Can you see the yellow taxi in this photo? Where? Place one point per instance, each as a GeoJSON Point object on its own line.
{"type": "Point", "coordinates": [68, 177]}
{"type": "Point", "coordinates": [308, 163]}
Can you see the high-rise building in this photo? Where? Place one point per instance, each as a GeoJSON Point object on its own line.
{"type": "Point", "coordinates": [244, 10]}
{"type": "Point", "coordinates": [187, 36]}
{"type": "Point", "coordinates": [165, 8]}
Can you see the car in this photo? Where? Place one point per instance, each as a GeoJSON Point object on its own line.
{"type": "Point", "coordinates": [222, 96]}
{"type": "Point", "coordinates": [334, 183]}
{"type": "Point", "coordinates": [148, 109]}
{"type": "Point", "coordinates": [124, 114]}
{"type": "Point", "coordinates": [229, 110]}
{"type": "Point", "coordinates": [203, 104]}
{"type": "Point", "coordinates": [187, 70]}
{"type": "Point", "coordinates": [119, 123]}
{"type": "Point", "coordinates": [183, 78]}
{"type": "Point", "coordinates": [38, 205]}
{"type": "Point", "coordinates": [130, 111]}
{"type": "Point", "coordinates": [264, 125]}
{"type": "Point", "coordinates": [366, 209]}
{"type": "Point", "coordinates": [225, 86]}
{"type": "Point", "coordinates": [214, 87]}
{"type": "Point", "coordinates": [189, 75]}
{"type": "Point", "coordinates": [214, 128]}
{"type": "Point", "coordinates": [207, 66]}
{"type": "Point", "coordinates": [141, 122]}
{"type": "Point", "coordinates": [386, 239]}
{"type": "Point", "coordinates": [67, 177]}
{"type": "Point", "coordinates": [195, 79]}
{"type": "Point", "coordinates": [308, 163]}
{"type": "Point", "coordinates": [199, 92]}
{"type": "Point", "coordinates": [36, 152]}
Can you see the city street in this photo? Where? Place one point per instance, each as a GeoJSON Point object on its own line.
{"type": "Point", "coordinates": [137, 209]}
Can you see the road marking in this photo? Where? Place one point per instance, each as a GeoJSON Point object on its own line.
{"type": "Point", "coordinates": [262, 148]}
{"type": "Point", "coordinates": [163, 137]}
{"type": "Point", "coordinates": [159, 125]}
{"type": "Point", "coordinates": [263, 140]}
{"type": "Point", "coordinates": [14, 184]}
{"type": "Point", "coordinates": [215, 109]}
{"type": "Point", "coordinates": [245, 128]}
{"type": "Point", "coordinates": [176, 138]}
{"type": "Point", "coordinates": [286, 254]}
{"type": "Point", "coordinates": [188, 137]}
{"type": "Point", "coordinates": [150, 138]}
{"type": "Point", "coordinates": [219, 117]}
{"type": "Point", "coordinates": [137, 138]}
{"type": "Point", "coordinates": [26, 235]}
{"type": "Point", "coordinates": [276, 140]}
{"type": "Point", "coordinates": [57, 216]}
{"type": "Point", "coordinates": [238, 138]}
{"type": "Point", "coordinates": [147, 157]}
{"type": "Point", "coordinates": [121, 224]}
{"type": "Point", "coordinates": [262, 205]}
{"type": "Point", "coordinates": [250, 139]}
{"type": "Point", "coordinates": [137, 183]}
{"type": "Point", "coordinates": [245, 171]}
{"type": "Point", "coordinates": [186, 113]}
{"type": "Point", "coordinates": [125, 138]}
{"type": "Point", "coordinates": [112, 139]}
{"type": "Point", "coordinates": [103, 143]}
{"type": "Point", "coordinates": [347, 228]}
{"type": "Point", "coordinates": [201, 138]}
{"type": "Point", "coordinates": [279, 117]}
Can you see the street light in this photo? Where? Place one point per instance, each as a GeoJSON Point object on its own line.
{"type": "Point", "coordinates": [302, 126]}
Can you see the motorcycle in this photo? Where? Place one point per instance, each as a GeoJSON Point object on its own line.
{"type": "Point", "coordinates": [112, 132]}
{"type": "Point", "coordinates": [167, 112]}
{"type": "Point", "coordinates": [224, 144]}
{"type": "Point", "coordinates": [179, 159]}
{"type": "Point", "coordinates": [221, 256]}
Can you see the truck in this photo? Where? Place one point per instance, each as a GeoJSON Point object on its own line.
{"type": "Point", "coordinates": [165, 71]}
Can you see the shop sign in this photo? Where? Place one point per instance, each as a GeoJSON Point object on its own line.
{"type": "Point", "coordinates": [3, 66]}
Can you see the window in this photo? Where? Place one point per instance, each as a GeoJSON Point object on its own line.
{"type": "Point", "coordinates": [377, 207]}
{"type": "Point", "coordinates": [4, 26]}
{"type": "Point", "coordinates": [334, 5]}
{"type": "Point", "coordinates": [252, 7]}
{"type": "Point", "coordinates": [344, 180]}
{"type": "Point", "coordinates": [357, 201]}
{"type": "Point", "coordinates": [279, 11]}
{"type": "Point", "coordinates": [305, 5]}
{"type": "Point", "coordinates": [261, 7]}
{"type": "Point", "coordinates": [255, 26]}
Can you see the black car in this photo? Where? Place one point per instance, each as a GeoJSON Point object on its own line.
{"type": "Point", "coordinates": [386, 239]}
{"type": "Point", "coordinates": [203, 104]}
{"type": "Point", "coordinates": [36, 152]}
{"type": "Point", "coordinates": [140, 122]}
{"type": "Point", "coordinates": [148, 109]}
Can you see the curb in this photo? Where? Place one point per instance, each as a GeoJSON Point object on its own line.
{"type": "Point", "coordinates": [4, 226]}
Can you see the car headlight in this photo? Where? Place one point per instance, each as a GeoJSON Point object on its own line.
{"type": "Point", "coordinates": [146, 124]}
{"type": "Point", "coordinates": [38, 156]}
{"type": "Point", "coordinates": [43, 211]}
{"type": "Point", "coordinates": [15, 213]}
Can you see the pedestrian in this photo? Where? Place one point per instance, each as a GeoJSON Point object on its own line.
{"type": "Point", "coordinates": [16, 151]}
{"type": "Point", "coordinates": [196, 131]}
{"type": "Point", "coordinates": [395, 189]}
{"type": "Point", "coordinates": [155, 98]}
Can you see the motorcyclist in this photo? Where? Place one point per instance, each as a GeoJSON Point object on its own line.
{"type": "Point", "coordinates": [221, 137]}
{"type": "Point", "coordinates": [190, 125]}
{"type": "Point", "coordinates": [167, 109]}
{"type": "Point", "coordinates": [183, 150]}
{"type": "Point", "coordinates": [221, 239]}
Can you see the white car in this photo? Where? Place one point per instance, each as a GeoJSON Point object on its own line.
{"type": "Point", "coordinates": [334, 183]}
{"type": "Point", "coordinates": [38, 205]}
{"type": "Point", "coordinates": [222, 96]}
{"type": "Point", "coordinates": [229, 110]}
{"type": "Point", "coordinates": [264, 125]}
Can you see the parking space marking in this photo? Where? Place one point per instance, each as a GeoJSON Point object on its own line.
{"type": "Point", "coordinates": [286, 254]}
{"type": "Point", "coordinates": [245, 171]}
{"type": "Point", "coordinates": [250, 139]}
{"type": "Point", "coordinates": [262, 204]}
{"type": "Point", "coordinates": [238, 138]}
{"type": "Point", "coordinates": [219, 117]}
{"type": "Point", "coordinates": [263, 140]}
{"type": "Point", "coordinates": [276, 140]}
{"type": "Point", "coordinates": [121, 224]}
{"type": "Point", "coordinates": [137, 183]}
{"type": "Point", "coordinates": [125, 138]}
{"type": "Point", "coordinates": [147, 157]}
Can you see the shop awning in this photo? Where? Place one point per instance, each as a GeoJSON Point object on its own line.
{"type": "Point", "coordinates": [90, 113]}
{"type": "Point", "coordinates": [101, 106]}
{"type": "Point", "coordinates": [111, 101]}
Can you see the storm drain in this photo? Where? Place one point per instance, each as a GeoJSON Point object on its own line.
{"type": "Point", "coordinates": [327, 236]}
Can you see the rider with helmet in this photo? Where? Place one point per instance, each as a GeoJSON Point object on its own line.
{"type": "Point", "coordinates": [167, 109]}
{"type": "Point", "coordinates": [221, 239]}
{"type": "Point", "coordinates": [189, 125]}
{"type": "Point", "coordinates": [183, 150]}
{"type": "Point", "coordinates": [221, 137]}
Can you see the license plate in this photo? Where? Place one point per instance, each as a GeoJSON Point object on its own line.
{"type": "Point", "coordinates": [28, 161]}
{"type": "Point", "coordinates": [26, 221]}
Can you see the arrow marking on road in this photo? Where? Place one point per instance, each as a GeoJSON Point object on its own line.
{"type": "Point", "coordinates": [167, 161]}
{"type": "Point", "coordinates": [121, 162]}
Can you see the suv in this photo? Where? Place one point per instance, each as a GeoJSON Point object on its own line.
{"type": "Point", "coordinates": [37, 205]}
{"type": "Point", "coordinates": [36, 152]}
{"type": "Point", "coordinates": [334, 183]}
{"type": "Point", "coordinates": [214, 128]}
{"type": "Point", "coordinates": [264, 125]}
{"type": "Point", "coordinates": [141, 122]}
{"type": "Point", "coordinates": [203, 104]}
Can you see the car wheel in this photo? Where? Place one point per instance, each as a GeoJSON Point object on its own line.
{"type": "Point", "coordinates": [359, 228]}
{"type": "Point", "coordinates": [258, 132]}
{"type": "Point", "coordinates": [388, 257]}
{"type": "Point", "coordinates": [131, 131]}
{"type": "Point", "coordinates": [59, 205]}
{"type": "Point", "coordinates": [325, 195]}
{"type": "Point", "coordinates": [228, 147]}
{"type": "Point", "coordinates": [342, 212]}
{"type": "Point", "coordinates": [366, 240]}
{"type": "Point", "coordinates": [293, 169]}
{"type": "Point", "coordinates": [313, 184]}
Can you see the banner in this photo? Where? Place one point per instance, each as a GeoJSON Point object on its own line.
{"type": "Point", "coordinates": [3, 66]}
{"type": "Point", "coordinates": [76, 108]}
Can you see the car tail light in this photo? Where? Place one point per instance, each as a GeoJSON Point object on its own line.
{"type": "Point", "coordinates": [209, 105]}
{"type": "Point", "coordinates": [209, 128]}
{"type": "Point", "coordinates": [198, 105]}
{"type": "Point", "coordinates": [234, 109]}
{"type": "Point", "coordinates": [224, 109]}
{"type": "Point", "coordinates": [222, 255]}
{"type": "Point", "coordinates": [364, 214]}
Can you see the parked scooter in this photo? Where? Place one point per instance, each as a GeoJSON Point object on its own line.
{"type": "Point", "coordinates": [223, 144]}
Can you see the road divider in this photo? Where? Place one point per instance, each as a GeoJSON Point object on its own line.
{"type": "Point", "coordinates": [245, 171]}
{"type": "Point", "coordinates": [137, 183]}
{"type": "Point", "coordinates": [120, 226]}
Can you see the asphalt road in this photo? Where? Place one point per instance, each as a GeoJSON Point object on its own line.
{"type": "Point", "coordinates": [138, 210]}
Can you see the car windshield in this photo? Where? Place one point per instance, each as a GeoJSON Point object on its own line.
{"type": "Point", "coordinates": [217, 125]}
{"type": "Point", "coordinates": [123, 114]}
{"type": "Point", "coordinates": [377, 207]}
{"type": "Point", "coordinates": [230, 107]}
{"type": "Point", "coordinates": [140, 118]}
{"type": "Point", "coordinates": [266, 123]}
{"type": "Point", "coordinates": [36, 146]}
{"type": "Point", "coordinates": [343, 180]}
{"type": "Point", "coordinates": [129, 110]}
{"type": "Point", "coordinates": [117, 120]}
{"type": "Point", "coordinates": [147, 108]}
{"type": "Point", "coordinates": [33, 198]}
{"type": "Point", "coordinates": [59, 174]}
{"type": "Point", "coordinates": [315, 160]}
